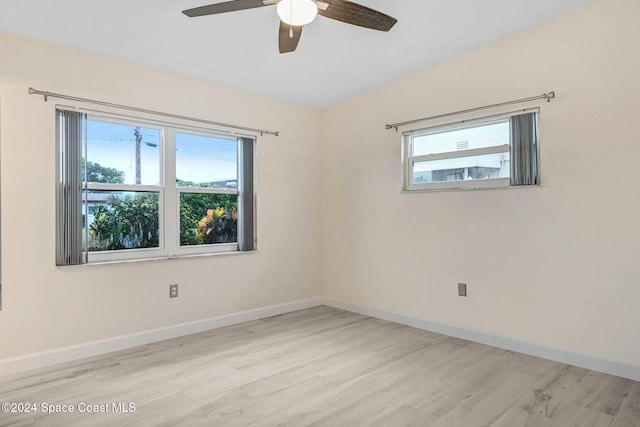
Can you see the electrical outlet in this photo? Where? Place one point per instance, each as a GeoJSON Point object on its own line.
{"type": "Point", "coordinates": [173, 291]}
{"type": "Point", "coordinates": [462, 289]}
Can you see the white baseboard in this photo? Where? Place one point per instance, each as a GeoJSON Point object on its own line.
{"type": "Point", "coordinates": [95, 348]}
{"type": "Point", "coordinates": [583, 360]}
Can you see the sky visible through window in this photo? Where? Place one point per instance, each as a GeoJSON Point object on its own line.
{"type": "Point", "coordinates": [488, 135]}
{"type": "Point", "coordinates": [201, 159]}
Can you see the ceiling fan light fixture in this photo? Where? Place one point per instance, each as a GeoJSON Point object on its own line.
{"type": "Point", "coordinates": [297, 12]}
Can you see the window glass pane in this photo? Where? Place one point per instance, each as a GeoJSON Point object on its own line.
{"type": "Point", "coordinates": [481, 136]}
{"type": "Point", "coordinates": [208, 218]}
{"type": "Point", "coordinates": [122, 154]}
{"type": "Point", "coordinates": [121, 220]}
{"type": "Point", "coordinates": [205, 161]}
{"type": "Point", "coordinates": [486, 166]}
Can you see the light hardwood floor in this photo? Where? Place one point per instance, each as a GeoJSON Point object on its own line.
{"type": "Point", "coordinates": [323, 367]}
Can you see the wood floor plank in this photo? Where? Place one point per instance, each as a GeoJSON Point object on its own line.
{"type": "Point", "coordinates": [322, 367]}
{"type": "Point", "coordinates": [629, 413]}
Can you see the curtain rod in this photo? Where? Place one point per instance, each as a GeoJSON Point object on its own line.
{"type": "Point", "coordinates": [548, 96]}
{"type": "Point", "coordinates": [47, 95]}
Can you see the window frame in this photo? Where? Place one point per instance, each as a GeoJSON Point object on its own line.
{"type": "Point", "coordinates": [126, 254]}
{"type": "Point", "coordinates": [408, 160]}
{"type": "Point", "coordinates": [168, 190]}
{"type": "Point", "coordinates": [177, 190]}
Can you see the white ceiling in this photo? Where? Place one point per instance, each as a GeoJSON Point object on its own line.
{"type": "Point", "coordinates": [334, 61]}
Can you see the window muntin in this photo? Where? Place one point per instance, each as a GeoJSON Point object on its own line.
{"type": "Point", "coordinates": [467, 155]}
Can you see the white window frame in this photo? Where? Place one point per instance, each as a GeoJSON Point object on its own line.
{"type": "Point", "coordinates": [169, 200]}
{"type": "Point", "coordinates": [175, 190]}
{"type": "Point", "coordinates": [408, 160]}
{"type": "Point", "coordinates": [126, 254]}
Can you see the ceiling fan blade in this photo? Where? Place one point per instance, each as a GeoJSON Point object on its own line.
{"type": "Point", "coordinates": [227, 6]}
{"type": "Point", "coordinates": [285, 41]}
{"type": "Point", "coordinates": [355, 14]}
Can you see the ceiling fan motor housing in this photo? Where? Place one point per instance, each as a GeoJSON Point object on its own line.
{"type": "Point", "coordinates": [297, 12]}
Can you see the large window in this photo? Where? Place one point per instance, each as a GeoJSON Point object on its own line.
{"type": "Point", "coordinates": [132, 189]}
{"type": "Point", "coordinates": [487, 153]}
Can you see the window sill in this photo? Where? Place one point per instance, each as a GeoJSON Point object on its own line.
{"type": "Point", "coordinates": [144, 260]}
{"type": "Point", "coordinates": [441, 190]}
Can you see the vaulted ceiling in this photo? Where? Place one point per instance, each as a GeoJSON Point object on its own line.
{"type": "Point", "coordinates": [334, 61]}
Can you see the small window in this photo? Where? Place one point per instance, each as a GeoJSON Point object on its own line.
{"type": "Point", "coordinates": [473, 155]}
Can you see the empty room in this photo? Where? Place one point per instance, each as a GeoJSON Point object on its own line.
{"type": "Point", "coordinates": [320, 212]}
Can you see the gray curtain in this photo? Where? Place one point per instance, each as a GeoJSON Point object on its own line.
{"type": "Point", "coordinates": [524, 149]}
{"type": "Point", "coordinates": [246, 195]}
{"type": "Point", "coordinates": [71, 135]}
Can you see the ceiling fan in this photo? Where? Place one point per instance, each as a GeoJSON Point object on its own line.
{"type": "Point", "coordinates": [294, 14]}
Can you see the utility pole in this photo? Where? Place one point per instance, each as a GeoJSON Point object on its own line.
{"type": "Point", "coordinates": [138, 136]}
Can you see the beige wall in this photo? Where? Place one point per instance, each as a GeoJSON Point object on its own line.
{"type": "Point", "coordinates": [46, 307]}
{"type": "Point", "coordinates": [557, 265]}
